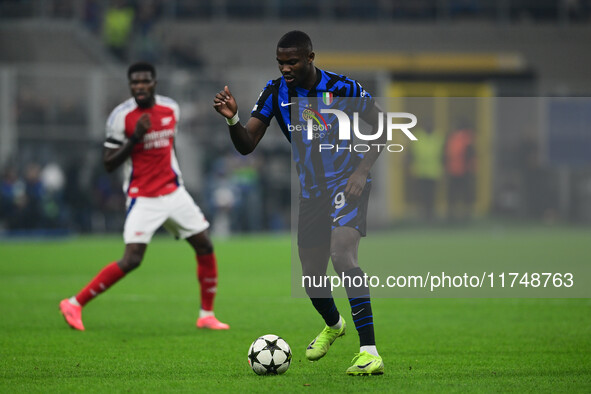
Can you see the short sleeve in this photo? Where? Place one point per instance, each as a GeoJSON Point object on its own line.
{"type": "Point", "coordinates": [367, 102]}
{"type": "Point", "coordinates": [115, 129]}
{"type": "Point", "coordinates": [263, 109]}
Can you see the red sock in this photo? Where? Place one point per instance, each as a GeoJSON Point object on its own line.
{"type": "Point", "coordinates": [207, 274]}
{"type": "Point", "coordinates": [110, 274]}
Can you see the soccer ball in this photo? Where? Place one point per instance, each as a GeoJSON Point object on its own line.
{"type": "Point", "coordinates": [269, 355]}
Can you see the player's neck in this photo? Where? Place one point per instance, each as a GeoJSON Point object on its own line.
{"type": "Point", "coordinates": [147, 105]}
{"type": "Point", "coordinates": [310, 80]}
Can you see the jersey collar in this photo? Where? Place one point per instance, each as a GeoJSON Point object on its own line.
{"type": "Point", "coordinates": [309, 93]}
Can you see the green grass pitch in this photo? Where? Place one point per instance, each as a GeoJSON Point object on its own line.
{"type": "Point", "coordinates": [141, 337]}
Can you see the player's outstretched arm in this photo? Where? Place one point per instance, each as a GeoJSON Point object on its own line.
{"type": "Point", "coordinates": [113, 158]}
{"type": "Point", "coordinates": [245, 138]}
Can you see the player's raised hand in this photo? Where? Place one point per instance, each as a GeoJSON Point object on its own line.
{"type": "Point", "coordinates": [142, 126]}
{"type": "Point", "coordinates": [225, 103]}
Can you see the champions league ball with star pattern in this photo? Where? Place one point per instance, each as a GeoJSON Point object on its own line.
{"type": "Point", "coordinates": [269, 355]}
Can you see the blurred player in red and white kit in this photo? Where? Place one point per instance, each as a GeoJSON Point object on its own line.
{"type": "Point", "coordinates": [140, 135]}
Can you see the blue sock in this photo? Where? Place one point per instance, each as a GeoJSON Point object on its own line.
{"type": "Point", "coordinates": [360, 302]}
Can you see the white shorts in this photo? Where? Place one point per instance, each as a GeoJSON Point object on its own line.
{"type": "Point", "coordinates": [176, 211]}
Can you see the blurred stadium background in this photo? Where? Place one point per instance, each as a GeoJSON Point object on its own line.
{"type": "Point", "coordinates": [63, 64]}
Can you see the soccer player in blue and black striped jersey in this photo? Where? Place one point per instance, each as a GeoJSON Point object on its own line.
{"type": "Point", "coordinates": [335, 186]}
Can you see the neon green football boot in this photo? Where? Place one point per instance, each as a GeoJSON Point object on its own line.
{"type": "Point", "coordinates": [320, 345]}
{"type": "Point", "coordinates": [366, 364]}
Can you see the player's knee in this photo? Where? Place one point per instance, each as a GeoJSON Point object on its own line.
{"type": "Point", "coordinates": [131, 261]}
{"type": "Point", "coordinates": [339, 255]}
{"type": "Point", "coordinates": [202, 244]}
{"type": "Point", "coordinates": [343, 259]}
{"type": "Point", "coordinates": [203, 248]}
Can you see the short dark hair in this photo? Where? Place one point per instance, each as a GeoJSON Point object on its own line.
{"type": "Point", "coordinates": [141, 66]}
{"type": "Point", "coordinates": [295, 39]}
